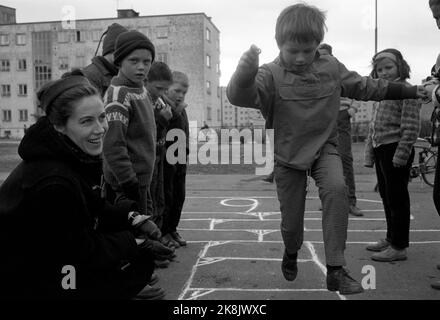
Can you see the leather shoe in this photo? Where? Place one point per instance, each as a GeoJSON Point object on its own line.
{"type": "Point", "coordinates": [150, 293]}
{"type": "Point", "coordinates": [355, 211]}
{"type": "Point", "coordinates": [154, 279]}
{"type": "Point", "coordinates": [289, 267]}
{"type": "Point", "coordinates": [161, 263]}
{"type": "Point", "coordinates": [436, 285]}
{"type": "Point", "coordinates": [390, 254]}
{"type": "Point", "coordinates": [178, 238]}
{"type": "Point", "coordinates": [169, 241]}
{"type": "Point", "coordinates": [379, 246]}
{"type": "Point", "coordinates": [339, 280]}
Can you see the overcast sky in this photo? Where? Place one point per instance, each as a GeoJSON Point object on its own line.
{"type": "Point", "coordinates": [406, 25]}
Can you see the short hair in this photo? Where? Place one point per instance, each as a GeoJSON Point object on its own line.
{"type": "Point", "coordinates": [300, 23]}
{"type": "Point", "coordinates": [433, 3]}
{"type": "Point", "coordinates": [402, 66]}
{"type": "Point", "coordinates": [325, 46]}
{"type": "Point", "coordinates": [180, 77]}
{"type": "Point", "coordinates": [159, 71]}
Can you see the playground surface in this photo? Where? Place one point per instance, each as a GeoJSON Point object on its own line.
{"type": "Point", "coordinates": [234, 251]}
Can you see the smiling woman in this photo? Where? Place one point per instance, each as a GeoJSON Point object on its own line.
{"type": "Point", "coordinates": [53, 198]}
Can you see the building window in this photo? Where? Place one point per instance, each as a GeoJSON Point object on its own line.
{"type": "Point", "coordinates": [20, 39]}
{"type": "Point", "coordinates": [7, 115]}
{"type": "Point", "coordinates": [79, 36]}
{"type": "Point", "coordinates": [162, 32]}
{"type": "Point", "coordinates": [6, 90]}
{"type": "Point", "coordinates": [22, 65]}
{"type": "Point", "coordinates": [208, 61]}
{"type": "Point", "coordinates": [217, 68]}
{"type": "Point", "coordinates": [208, 87]}
{"type": "Point", "coordinates": [22, 89]}
{"type": "Point", "coordinates": [4, 65]}
{"type": "Point", "coordinates": [208, 34]}
{"type": "Point", "coordinates": [218, 91]}
{"type": "Point", "coordinates": [63, 36]}
{"type": "Point", "coordinates": [217, 42]}
{"type": "Point", "coordinates": [208, 113]}
{"type": "Point", "coordinates": [4, 39]}
{"type": "Point", "coordinates": [23, 115]}
{"type": "Point", "coordinates": [219, 116]}
{"type": "Point", "coordinates": [64, 62]}
{"type": "Point", "coordinates": [80, 62]}
{"type": "Point", "coordinates": [162, 57]}
{"type": "Point", "coordinates": [145, 30]}
{"type": "Point", "coordinates": [96, 35]}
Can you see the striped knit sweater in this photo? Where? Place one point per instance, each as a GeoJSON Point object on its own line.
{"type": "Point", "coordinates": [130, 142]}
{"type": "Point", "coordinates": [393, 121]}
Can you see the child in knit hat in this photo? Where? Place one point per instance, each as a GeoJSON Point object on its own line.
{"type": "Point", "coordinates": [101, 71]}
{"type": "Point", "coordinates": [130, 143]}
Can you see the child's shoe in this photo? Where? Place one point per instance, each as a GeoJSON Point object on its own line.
{"type": "Point", "coordinates": [339, 280]}
{"type": "Point", "coordinates": [178, 238]}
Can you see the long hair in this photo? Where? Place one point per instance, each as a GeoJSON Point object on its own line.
{"type": "Point", "coordinates": [403, 68]}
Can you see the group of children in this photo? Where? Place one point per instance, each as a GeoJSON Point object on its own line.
{"type": "Point", "coordinates": [143, 99]}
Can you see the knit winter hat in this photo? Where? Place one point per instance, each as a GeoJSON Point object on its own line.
{"type": "Point", "coordinates": [112, 33]}
{"type": "Point", "coordinates": [52, 90]}
{"type": "Point", "coordinates": [129, 41]}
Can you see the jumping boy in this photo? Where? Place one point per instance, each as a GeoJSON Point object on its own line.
{"type": "Point", "coordinates": [299, 93]}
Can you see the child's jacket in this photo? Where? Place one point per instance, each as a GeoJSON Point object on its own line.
{"type": "Point", "coordinates": [130, 142]}
{"type": "Point", "coordinates": [393, 121]}
{"type": "Point", "coordinates": [303, 108]}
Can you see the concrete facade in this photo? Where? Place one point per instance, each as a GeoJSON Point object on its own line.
{"type": "Point", "coordinates": [237, 117]}
{"type": "Point", "coordinates": [186, 42]}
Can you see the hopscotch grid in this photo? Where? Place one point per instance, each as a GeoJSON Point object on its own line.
{"type": "Point", "coordinates": [305, 229]}
{"type": "Point", "coordinates": [313, 242]}
{"type": "Point", "coordinates": [202, 258]}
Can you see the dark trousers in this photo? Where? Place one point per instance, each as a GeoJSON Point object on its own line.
{"type": "Point", "coordinates": [292, 190]}
{"type": "Point", "coordinates": [344, 149]}
{"type": "Point", "coordinates": [436, 192]}
{"type": "Point", "coordinates": [157, 187]}
{"type": "Point", "coordinates": [393, 189]}
{"type": "Point", "coordinates": [174, 190]}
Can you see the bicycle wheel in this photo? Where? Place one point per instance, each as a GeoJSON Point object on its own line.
{"type": "Point", "coordinates": [428, 171]}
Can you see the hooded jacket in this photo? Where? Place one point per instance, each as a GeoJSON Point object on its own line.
{"type": "Point", "coordinates": [51, 214]}
{"type": "Point", "coordinates": [302, 108]}
{"type": "Point", "coordinates": [100, 73]}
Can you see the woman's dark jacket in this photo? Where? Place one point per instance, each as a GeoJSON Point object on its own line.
{"type": "Point", "coordinates": [52, 216]}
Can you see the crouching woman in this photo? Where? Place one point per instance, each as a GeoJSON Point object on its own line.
{"type": "Point", "coordinates": [52, 216]}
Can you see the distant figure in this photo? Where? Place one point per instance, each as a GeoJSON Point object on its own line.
{"type": "Point", "coordinates": [205, 126]}
{"type": "Point", "coordinates": [347, 109]}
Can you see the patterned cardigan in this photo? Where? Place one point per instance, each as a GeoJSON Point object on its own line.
{"type": "Point", "coordinates": [393, 121]}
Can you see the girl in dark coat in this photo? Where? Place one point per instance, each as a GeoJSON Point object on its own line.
{"type": "Point", "coordinates": [58, 237]}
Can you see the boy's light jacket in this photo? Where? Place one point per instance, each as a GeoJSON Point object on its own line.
{"type": "Point", "coordinates": [303, 108]}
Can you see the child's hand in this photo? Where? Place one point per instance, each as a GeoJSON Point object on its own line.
{"type": "Point", "coordinates": [429, 87]}
{"type": "Point", "coordinates": [166, 112]}
{"type": "Point", "coordinates": [248, 66]}
{"type": "Point", "coordinates": [424, 93]}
